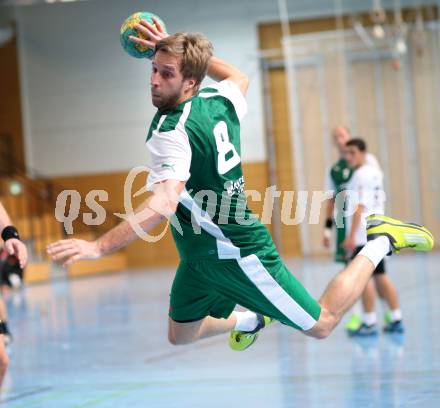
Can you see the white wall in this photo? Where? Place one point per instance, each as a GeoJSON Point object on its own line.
{"type": "Point", "coordinates": [86, 104]}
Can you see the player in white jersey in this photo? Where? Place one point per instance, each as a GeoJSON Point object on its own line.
{"type": "Point", "coordinates": [365, 196]}
{"type": "Point", "coordinates": [336, 179]}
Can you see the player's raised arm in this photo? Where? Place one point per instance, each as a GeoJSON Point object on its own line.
{"type": "Point", "coordinates": [221, 70]}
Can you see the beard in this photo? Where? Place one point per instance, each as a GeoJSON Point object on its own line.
{"type": "Point", "coordinates": [163, 102]}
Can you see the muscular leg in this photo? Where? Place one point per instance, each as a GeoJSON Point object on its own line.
{"type": "Point", "coordinates": [341, 294]}
{"type": "Point", "coordinates": [387, 290]}
{"type": "Point", "coordinates": [369, 297]}
{"type": "Point", "coordinates": [347, 286]}
{"type": "Point", "coordinates": [185, 333]}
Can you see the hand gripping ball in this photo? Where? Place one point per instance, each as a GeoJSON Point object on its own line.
{"type": "Point", "coordinates": [127, 29]}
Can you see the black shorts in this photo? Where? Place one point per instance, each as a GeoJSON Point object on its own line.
{"type": "Point", "coordinates": [380, 268]}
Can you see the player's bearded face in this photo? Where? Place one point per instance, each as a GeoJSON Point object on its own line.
{"type": "Point", "coordinates": [167, 83]}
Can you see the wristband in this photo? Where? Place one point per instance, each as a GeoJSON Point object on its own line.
{"type": "Point", "coordinates": [329, 223]}
{"type": "Point", "coordinates": [3, 327]}
{"type": "Point", "coordinates": [10, 232]}
{"type": "Point", "coordinates": [327, 233]}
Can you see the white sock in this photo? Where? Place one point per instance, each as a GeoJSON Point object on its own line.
{"type": "Point", "coordinates": [376, 249]}
{"type": "Point", "coordinates": [369, 318]}
{"type": "Point", "coordinates": [396, 315]}
{"type": "Point", "coordinates": [246, 321]}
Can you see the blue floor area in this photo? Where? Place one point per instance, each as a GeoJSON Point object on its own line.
{"type": "Point", "coordinates": [101, 342]}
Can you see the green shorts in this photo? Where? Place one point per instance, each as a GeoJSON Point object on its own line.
{"type": "Point", "coordinates": [264, 285]}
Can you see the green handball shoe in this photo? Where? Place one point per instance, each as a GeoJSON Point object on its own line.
{"type": "Point", "coordinates": [240, 341]}
{"type": "Point", "coordinates": [387, 318]}
{"type": "Point", "coordinates": [401, 235]}
{"type": "Point", "coordinates": [353, 323]}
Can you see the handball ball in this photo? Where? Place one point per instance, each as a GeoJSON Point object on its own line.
{"type": "Point", "coordinates": [127, 29]}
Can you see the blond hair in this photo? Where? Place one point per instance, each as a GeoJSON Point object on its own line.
{"type": "Point", "coordinates": [194, 52]}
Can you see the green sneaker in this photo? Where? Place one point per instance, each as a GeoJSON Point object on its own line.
{"type": "Point", "coordinates": [240, 341]}
{"type": "Point", "coordinates": [401, 235]}
{"type": "Point", "coordinates": [354, 323]}
{"type": "Point", "coordinates": [387, 318]}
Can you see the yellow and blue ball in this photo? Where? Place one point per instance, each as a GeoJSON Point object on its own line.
{"type": "Point", "coordinates": [127, 29]}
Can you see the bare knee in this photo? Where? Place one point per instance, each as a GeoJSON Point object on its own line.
{"type": "Point", "coordinates": [177, 337]}
{"type": "Point", "coordinates": [182, 333]}
{"type": "Point", "coordinates": [174, 339]}
{"type": "Point", "coordinates": [318, 332]}
{"type": "Point", "coordinates": [324, 326]}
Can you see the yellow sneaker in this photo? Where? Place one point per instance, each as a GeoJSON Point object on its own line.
{"type": "Point", "coordinates": [240, 341]}
{"type": "Point", "coordinates": [401, 235]}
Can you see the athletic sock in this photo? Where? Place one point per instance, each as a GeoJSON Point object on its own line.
{"type": "Point", "coordinates": [376, 249]}
{"type": "Point", "coordinates": [396, 315]}
{"type": "Point", "coordinates": [369, 318]}
{"type": "Point", "coordinates": [246, 321]}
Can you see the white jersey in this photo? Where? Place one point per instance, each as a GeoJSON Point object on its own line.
{"type": "Point", "coordinates": [365, 188]}
{"type": "Point", "coordinates": [371, 160]}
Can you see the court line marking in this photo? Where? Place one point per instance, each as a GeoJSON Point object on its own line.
{"type": "Point", "coordinates": [25, 394]}
{"type": "Point", "coordinates": [186, 350]}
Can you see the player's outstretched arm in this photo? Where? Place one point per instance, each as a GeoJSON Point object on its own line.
{"type": "Point", "coordinates": [220, 70]}
{"type": "Point", "coordinates": [160, 205]}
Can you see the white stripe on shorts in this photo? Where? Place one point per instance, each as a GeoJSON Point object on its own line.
{"type": "Point", "coordinates": [276, 295]}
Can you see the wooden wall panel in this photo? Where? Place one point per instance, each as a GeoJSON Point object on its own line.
{"type": "Point", "coordinates": [281, 122]}
{"type": "Point", "coordinates": [336, 96]}
{"type": "Point", "coordinates": [426, 90]}
{"type": "Point", "coordinates": [399, 201]}
{"type": "Point", "coordinates": [313, 146]}
{"type": "Point", "coordinates": [364, 100]}
{"type": "Point", "coordinates": [270, 33]}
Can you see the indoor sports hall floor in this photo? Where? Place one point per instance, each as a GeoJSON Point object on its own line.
{"type": "Point", "coordinates": [101, 342]}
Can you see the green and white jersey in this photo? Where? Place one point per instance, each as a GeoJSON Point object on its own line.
{"type": "Point", "coordinates": [338, 176]}
{"type": "Point", "coordinates": [199, 142]}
